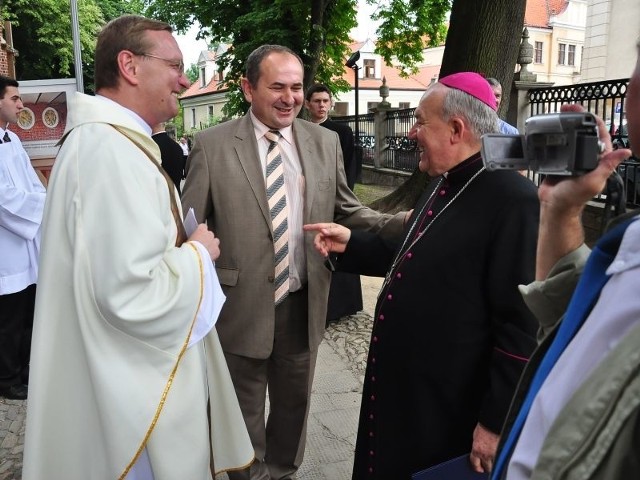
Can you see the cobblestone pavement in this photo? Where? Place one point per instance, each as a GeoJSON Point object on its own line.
{"type": "Point", "coordinates": [342, 361]}
{"type": "Point", "coordinates": [12, 414]}
{"type": "Point", "coordinates": [349, 338]}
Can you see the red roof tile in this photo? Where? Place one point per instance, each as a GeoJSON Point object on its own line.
{"type": "Point", "coordinates": [539, 12]}
{"type": "Point", "coordinates": [195, 90]}
{"type": "Point", "coordinates": [419, 81]}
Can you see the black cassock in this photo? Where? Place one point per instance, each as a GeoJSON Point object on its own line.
{"type": "Point", "coordinates": [451, 332]}
{"type": "Point", "coordinates": [172, 157]}
{"type": "Point", "coordinates": [345, 291]}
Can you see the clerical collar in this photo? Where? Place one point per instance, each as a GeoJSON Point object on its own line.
{"type": "Point", "coordinates": [138, 119]}
{"type": "Point", "coordinates": [464, 170]}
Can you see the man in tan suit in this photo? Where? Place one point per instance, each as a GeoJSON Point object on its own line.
{"type": "Point", "coordinates": [271, 340]}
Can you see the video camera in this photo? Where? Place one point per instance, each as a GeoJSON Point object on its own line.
{"type": "Point", "coordinates": [553, 144]}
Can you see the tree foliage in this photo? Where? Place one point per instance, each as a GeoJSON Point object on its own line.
{"type": "Point", "coordinates": [318, 30]}
{"type": "Point", "coordinates": [408, 27]}
{"type": "Point", "coordinates": [192, 72]}
{"type": "Point", "coordinates": [42, 34]}
{"type": "Point", "coordinates": [114, 8]}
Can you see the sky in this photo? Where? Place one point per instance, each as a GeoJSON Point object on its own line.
{"type": "Point", "coordinates": [191, 47]}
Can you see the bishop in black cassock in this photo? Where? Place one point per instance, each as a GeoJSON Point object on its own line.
{"type": "Point", "coordinates": [451, 332]}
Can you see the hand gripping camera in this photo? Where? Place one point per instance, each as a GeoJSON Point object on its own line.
{"type": "Point", "coordinates": [553, 144]}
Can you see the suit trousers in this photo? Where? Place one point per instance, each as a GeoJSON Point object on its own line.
{"type": "Point", "coordinates": [16, 324]}
{"type": "Point", "coordinates": [287, 375]}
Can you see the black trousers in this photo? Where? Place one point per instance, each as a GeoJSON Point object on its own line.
{"type": "Point", "coordinates": [16, 325]}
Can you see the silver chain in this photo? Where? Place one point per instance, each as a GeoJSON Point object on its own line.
{"type": "Point", "coordinates": [403, 251]}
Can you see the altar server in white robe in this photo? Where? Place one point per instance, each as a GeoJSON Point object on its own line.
{"type": "Point", "coordinates": [22, 198]}
{"type": "Point", "coordinates": [120, 385]}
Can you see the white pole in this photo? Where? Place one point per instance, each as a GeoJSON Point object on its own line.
{"type": "Point", "coordinates": [77, 51]}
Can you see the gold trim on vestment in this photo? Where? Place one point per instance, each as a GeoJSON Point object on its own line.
{"type": "Point", "coordinates": [167, 387]}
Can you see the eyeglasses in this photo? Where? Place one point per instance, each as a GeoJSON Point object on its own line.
{"type": "Point", "coordinates": [178, 66]}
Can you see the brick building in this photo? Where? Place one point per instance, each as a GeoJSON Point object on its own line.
{"type": "Point", "coordinates": [8, 54]}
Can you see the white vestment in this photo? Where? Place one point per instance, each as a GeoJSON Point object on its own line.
{"type": "Point", "coordinates": [111, 376]}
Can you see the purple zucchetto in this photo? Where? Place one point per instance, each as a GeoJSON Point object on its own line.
{"type": "Point", "coordinates": [473, 84]}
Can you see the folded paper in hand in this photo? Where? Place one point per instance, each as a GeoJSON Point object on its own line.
{"type": "Point", "coordinates": [190, 222]}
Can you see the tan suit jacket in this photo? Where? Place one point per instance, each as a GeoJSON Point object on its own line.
{"type": "Point", "coordinates": [225, 186]}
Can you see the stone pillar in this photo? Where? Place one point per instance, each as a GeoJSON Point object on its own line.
{"type": "Point", "coordinates": [380, 116]}
{"type": "Point", "coordinates": [523, 81]}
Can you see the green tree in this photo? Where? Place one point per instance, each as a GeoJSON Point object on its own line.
{"type": "Point", "coordinates": [408, 27]}
{"type": "Point", "coordinates": [318, 30]}
{"type": "Point", "coordinates": [42, 34]}
{"type": "Point", "coordinates": [192, 73]}
{"type": "Point", "coordinates": [114, 8]}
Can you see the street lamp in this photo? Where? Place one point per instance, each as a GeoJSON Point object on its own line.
{"type": "Point", "coordinates": [352, 63]}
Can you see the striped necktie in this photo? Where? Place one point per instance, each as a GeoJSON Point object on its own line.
{"type": "Point", "coordinates": [277, 198]}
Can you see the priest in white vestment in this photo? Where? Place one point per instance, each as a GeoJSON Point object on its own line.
{"type": "Point", "coordinates": [120, 385]}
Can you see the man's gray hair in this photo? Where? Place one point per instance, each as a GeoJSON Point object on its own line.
{"type": "Point", "coordinates": [479, 116]}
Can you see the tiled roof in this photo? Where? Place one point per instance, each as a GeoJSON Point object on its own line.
{"type": "Point", "coordinates": [195, 90]}
{"type": "Point", "coordinates": [539, 12]}
{"type": "Point", "coordinates": [419, 81]}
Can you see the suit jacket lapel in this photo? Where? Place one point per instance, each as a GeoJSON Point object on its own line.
{"type": "Point", "coordinates": [309, 164]}
{"type": "Point", "coordinates": [247, 151]}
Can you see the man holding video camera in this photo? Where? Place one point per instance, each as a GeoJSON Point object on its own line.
{"type": "Point", "coordinates": [577, 411]}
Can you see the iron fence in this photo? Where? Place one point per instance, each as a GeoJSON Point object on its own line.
{"type": "Point", "coordinates": [367, 130]}
{"type": "Point", "coordinates": [401, 152]}
{"type": "Point", "coordinates": [607, 100]}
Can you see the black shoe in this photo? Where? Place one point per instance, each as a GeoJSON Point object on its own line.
{"type": "Point", "coordinates": [14, 392]}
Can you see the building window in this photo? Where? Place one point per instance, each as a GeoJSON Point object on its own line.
{"type": "Point", "coordinates": [202, 78]}
{"type": "Point", "coordinates": [371, 105]}
{"type": "Point", "coordinates": [537, 52]}
{"type": "Point", "coordinates": [219, 76]}
{"type": "Point", "coordinates": [193, 118]}
{"type": "Point", "coordinates": [571, 58]}
{"type": "Point", "coordinates": [210, 111]}
{"type": "Point", "coordinates": [369, 69]}
{"type": "Point", "coordinates": [562, 49]}
{"type": "Point", "coordinates": [341, 109]}
{"type": "Point", "coordinates": [403, 105]}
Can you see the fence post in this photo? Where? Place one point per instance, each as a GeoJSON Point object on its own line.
{"type": "Point", "coordinates": [380, 122]}
{"type": "Point", "coordinates": [523, 81]}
